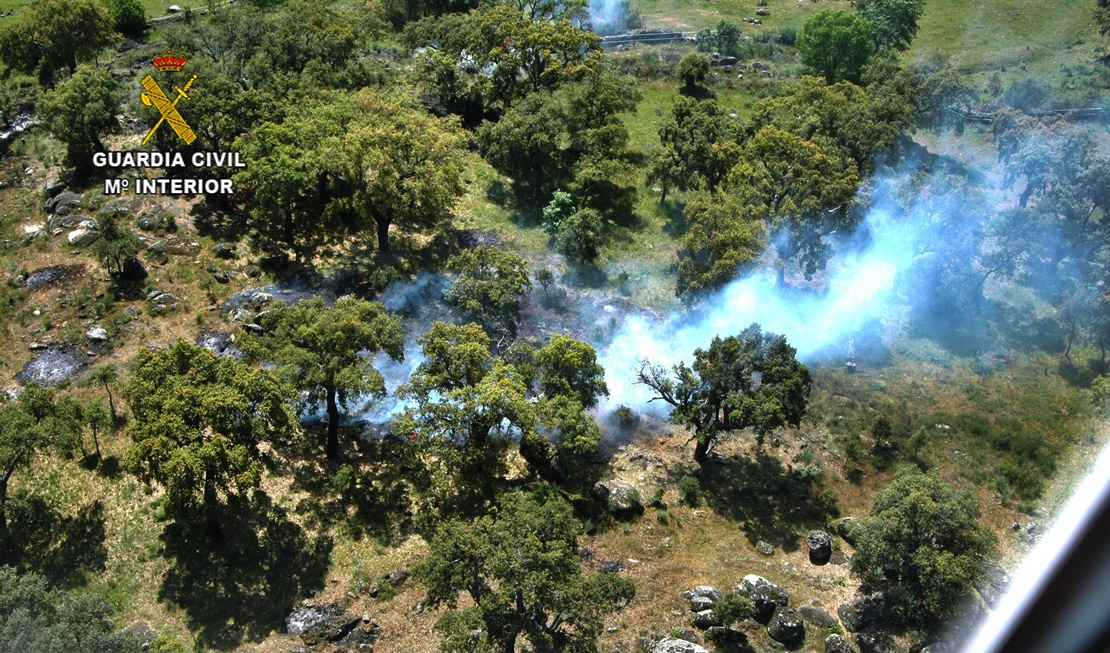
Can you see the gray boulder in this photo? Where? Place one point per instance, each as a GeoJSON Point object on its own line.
{"type": "Point", "coordinates": [836, 644]}
{"type": "Point", "coordinates": [816, 617]}
{"type": "Point", "coordinates": [96, 334]}
{"type": "Point", "coordinates": [224, 250]}
{"type": "Point", "coordinates": [786, 626]}
{"type": "Point", "coordinates": [673, 645]}
{"type": "Point", "coordinates": [860, 614]}
{"type": "Point", "coordinates": [820, 547]}
{"type": "Point", "coordinates": [706, 619]}
{"type": "Point", "coordinates": [764, 596]}
{"type": "Point", "coordinates": [181, 246]}
{"type": "Point", "coordinates": [621, 498]}
{"type": "Point", "coordinates": [63, 203]}
{"type": "Point", "coordinates": [875, 641]}
{"type": "Point", "coordinates": [705, 592]}
{"type": "Point", "coordinates": [317, 624]}
{"type": "Point", "coordinates": [82, 237]}
{"type": "Point", "coordinates": [699, 603]}
{"type": "Point", "coordinates": [845, 529]}
{"type": "Point", "coordinates": [765, 548]}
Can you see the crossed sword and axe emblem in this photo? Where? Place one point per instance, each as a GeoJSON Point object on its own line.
{"type": "Point", "coordinates": [168, 109]}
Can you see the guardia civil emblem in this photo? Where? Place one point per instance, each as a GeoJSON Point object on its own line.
{"type": "Point", "coordinates": [168, 61]}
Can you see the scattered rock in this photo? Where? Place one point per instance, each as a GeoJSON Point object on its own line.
{"type": "Point", "coordinates": [120, 206]}
{"type": "Point", "coordinates": [260, 300]}
{"type": "Point", "coordinates": [674, 645]}
{"type": "Point", "coordinates": [220, 343]}
{"type": "Point", "coordinates": [252, 271]}
{"type": "Point", "coordinates": [845, 529]}
{"type": "Point", "coordinates": [704, 591]}
{"type": "Point", "coordinates": [62, 203]}
{"type": "Point", "coordinates": [163, 302]}
{"type": "Point", "coordinates": [875, 641]}
{"type": "Point", "coordinates": [150, 223]}
{"type": "Point", "coordinates": [173, 9]}
{"type": "Point", "coordinates": [765, 548]}
{"type": "Point", "coordinates": [224, 250]}
{"type": "Point", "coordinates": [181, 246]}
{"type": "Point", "coordinates": [611, 566]}
{"type": "Point", "coordinates": [764, 596]}
{"type": "Point", "coordinates": [621, 498]}
{"type": "Point", "coordinates": [836, 644]}
{"type": "Point", "coordinates": [220, 277]}
{"type": "Point", "coordinates": [700, 603]}
{"type": "Point", "coordinates": [97, 334]}
{"type": "Point", "coordinates": [396, 577]}
{"type": "Point", "coordinates": [82, 237]}
{"type": "Point", "coordinates": [820, 547]}
{"type": "Point", "coordinates": [860, 614]}
{"type": "Point", "coordinates": [786, 626]}
{"type": "Point", "coordinates": [688, 635]}
{"type": "Point", "coordinates": [133, 269]}
{"type": "Point", "coordinates": [141, 631]}
{"type": "Point", "coordinates": [763, 12]}
{"type": "Point", "coordinates": [317, 624]}
{"type": "Point", "coordinates": [938, 647]}
{"type": "Point", "coordinates": [994, 583]}
{"type": "Point", "coordinates": [816, 617]}
{"type": "Point", "coordinates": [706, 619]}
{"type": "Point", "coordinates": [725, 636]}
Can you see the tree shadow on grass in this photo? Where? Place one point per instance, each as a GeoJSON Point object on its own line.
{"type": "Point", "coordinates": [772, 503]}
{"type": "Point", "coordinates": [371, 497]}
{"type": "Point", "coordinates": [63, 548]}
{"type": "Point", "coordinates": [242, 586]}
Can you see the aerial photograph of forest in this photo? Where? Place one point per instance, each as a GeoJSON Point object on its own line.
{"type": "Point", "coordinates": [536, 326]}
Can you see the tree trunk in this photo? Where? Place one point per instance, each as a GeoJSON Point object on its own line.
{"type": "Point", "coordinates": [289, 235]}
{"type": "Point", "coordinates": [701, 452]}
{"type": "Point", "coordinates": [1025, 195]}
{"type": "Point", "coordinates": [211, 516]}
{"type": "Point", "coordinates": [383, 235]}
{"type": "Point", "coordinates": [333, 425]}
{"type": "Point", "coordinates": [111, 402]}
{"type": "Point", "coordinates": [3, 508]}
{"type": "Point", "coordinates": [780, 278]}
{"type": "Point", "coordinates": [510, 643]}
{"type": "Point", "coordinates": [96, 441]}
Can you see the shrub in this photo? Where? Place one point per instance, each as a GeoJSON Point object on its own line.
{"type": "Point", "coordinates": [690, 489]}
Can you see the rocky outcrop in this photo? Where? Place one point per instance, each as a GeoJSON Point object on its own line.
{"type": "Point", "coordinates": [765, 596]}
{"type": "Point", "coordinates": [320, 623]}
{"type": "Point", "coordinates": [837, 644]}
{"type": "Point", "coordinates": [860, 614]}
{"type": "Point", "coordinates": [621, 498]}
{"type": "Point", "coordinates": [673, 645]}
{"type": "Point", "coordinates": [816, 617]}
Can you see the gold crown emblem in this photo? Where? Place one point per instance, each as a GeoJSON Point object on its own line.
{"type": "Point", "coordinates": [169, 61]}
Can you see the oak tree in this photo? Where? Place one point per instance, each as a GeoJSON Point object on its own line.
{"type": "Point", "coordinates": [327, 352]}
{"type": "Point", "coordinates": [520, 569]}
{"type": "Point", "coordinates": [836, 44]}
{"type": "Point", "coordinates": [752, 380]}
{"type": "Point", "coordinates": [198, 421]}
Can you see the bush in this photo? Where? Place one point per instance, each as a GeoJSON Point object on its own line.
{"type": "Point", "coordinates": [578, 236]}
{"type": "Point", "coordinates": [690, 489]}
{"type": "Point", "coordinates": [129, 17]}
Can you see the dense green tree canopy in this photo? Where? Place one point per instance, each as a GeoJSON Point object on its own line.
{"type": "Point", "coordinates": [751, 381]}
{"type": "Point", "coordinates": [836, 44]}
{"type": "Point", "coordinates": [692, 73]}
{"type": "Point", "coordinates": [722, 237]}
{"type": "Point", "coordinates": [520, 568]}
{"type": "Point", "coordinates": [839, 117]}
{"type": "Point", "coordinates": [489, 285]}
{"type": "Point", "coordinates": [198, 422]}
{"type": "Point", "coordinates": [81, 111]}
{"type": "Point", "coordinates": [799, 190]}
{"type": "Point", "coordinates": [923, 546]}
{"type": "Point", "coordinates": [117, 243]}
{"type": "Point", "coordinates": [34, 617]}
{"type": "Point", "coordinates": [698, 146]}
{"type": "Point", "coordinates": [51, 34]}
{"type": "Point", "coordinates": [894, 22]}
{"type": "Point", "coordinates": [327, 352]}
{"type": "Point", "coordinates": [20, 439]}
